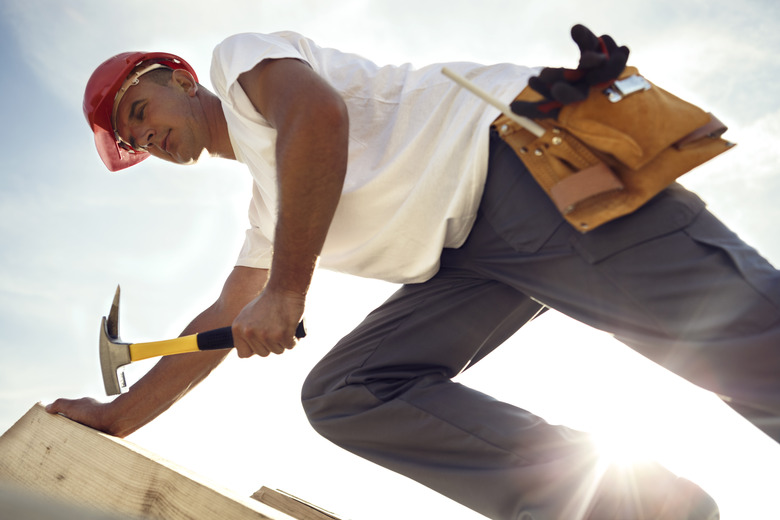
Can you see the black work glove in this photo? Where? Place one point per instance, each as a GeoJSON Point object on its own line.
{"type": "Point", "coordinates": [601, 63]}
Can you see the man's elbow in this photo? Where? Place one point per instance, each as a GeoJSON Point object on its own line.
{"type": "Point", "coordinates": [333, 112]}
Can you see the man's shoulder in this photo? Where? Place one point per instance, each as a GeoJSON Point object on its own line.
{"type": "Point", "coordinates": [240, 52]}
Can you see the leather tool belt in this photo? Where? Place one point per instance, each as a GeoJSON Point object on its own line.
{"type": "Point", "coordinates": [606, 156]}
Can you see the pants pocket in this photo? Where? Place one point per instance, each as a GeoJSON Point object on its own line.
{"type": "Point", "coordinates": [669, 211]}
{"type": "Point", "coordinates": [757, 272]}
{"type": "Point", "coordinates": [514, 205]}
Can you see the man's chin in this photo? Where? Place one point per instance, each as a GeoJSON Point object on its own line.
{"type": "Point", "coordinates": [187, 159]}
{"type": "Point", "coordinates": [194, 159]}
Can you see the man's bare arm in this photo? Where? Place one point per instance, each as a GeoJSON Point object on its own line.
{"type": "Point", "coordinates": [173, 376]}
{"type": "Point", "coordinates": [311, 155]}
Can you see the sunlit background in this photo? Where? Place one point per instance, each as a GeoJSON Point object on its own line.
{"type": "Point", "coordinates": [70, 231]}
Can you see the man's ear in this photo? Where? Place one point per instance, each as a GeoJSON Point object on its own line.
{"type": "Point", "coordinates": [185, 81]}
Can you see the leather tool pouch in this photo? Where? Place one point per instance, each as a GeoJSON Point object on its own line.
{"type": "Point", "coordinates": [606, 156]}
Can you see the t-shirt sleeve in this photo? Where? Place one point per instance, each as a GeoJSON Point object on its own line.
{"type": "Point", "coordinates": [241, 52]}
{"type": "Point", "coordinates": [257, 250]}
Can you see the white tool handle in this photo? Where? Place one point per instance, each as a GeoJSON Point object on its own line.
{"type": "Point", "coordinates": [526, 123]}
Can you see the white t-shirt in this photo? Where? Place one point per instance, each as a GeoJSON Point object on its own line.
{"type": "Point", "coordinates": [418, 152]}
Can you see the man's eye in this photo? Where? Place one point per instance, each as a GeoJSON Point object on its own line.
{"type": "Point", "coordinates": [141, 113]}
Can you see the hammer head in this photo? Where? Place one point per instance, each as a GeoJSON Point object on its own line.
{"type": "Point", "coordinates": [114, 354]}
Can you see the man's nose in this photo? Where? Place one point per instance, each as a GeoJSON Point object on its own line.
{"type": "Point", "coordinates": [145, 138]}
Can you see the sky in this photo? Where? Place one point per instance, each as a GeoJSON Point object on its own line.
{"type": "Point", "coordinates": [70, 232]}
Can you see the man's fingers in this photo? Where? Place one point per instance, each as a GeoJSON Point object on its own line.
{"type": "Point", "coordinates": [241, 343]}
{"type": "Point", "coordinates": [244, 352]}
{"type": "Point", "coordinates": [86, 411]}
{"type": "Point", "coordinates": [55, 407]}
{"type": "Point", "coordinates": [67, 407]}
{"type": "Point", "coordinates": [280, 346]}
{"type": "Point", "coordinates": [248, 343]}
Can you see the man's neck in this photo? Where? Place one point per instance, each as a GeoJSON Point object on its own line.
{"type": "Point", "coordinates": [219, 145]}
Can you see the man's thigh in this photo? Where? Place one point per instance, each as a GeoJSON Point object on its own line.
{"type": "Point", "coordinates": [437, 327]}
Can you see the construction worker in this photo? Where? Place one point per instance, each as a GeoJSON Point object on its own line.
{"type": "Point", "coordinates": [393, 173]}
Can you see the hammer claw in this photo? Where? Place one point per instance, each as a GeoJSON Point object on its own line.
{"type": "Point", "coordinates": [112, 325]}
{"type": "Point", "coordinates": [113, 354]}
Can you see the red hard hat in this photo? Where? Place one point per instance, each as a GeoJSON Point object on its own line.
{"type": "Point", "coordinates": [100, 96]}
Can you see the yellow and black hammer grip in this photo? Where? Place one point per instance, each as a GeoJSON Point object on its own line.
{"type": "Point", "coordinates": [216, 339]}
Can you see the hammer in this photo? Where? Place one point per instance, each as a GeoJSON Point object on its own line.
{"type": "Point", "coordinates": [114, 354]}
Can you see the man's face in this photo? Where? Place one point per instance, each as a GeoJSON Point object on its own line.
{"type": "Point", "coordinates": [165, 120]}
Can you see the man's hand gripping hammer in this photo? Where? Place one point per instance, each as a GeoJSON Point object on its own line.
{"type": "Point", "coordinates": [114, 354]}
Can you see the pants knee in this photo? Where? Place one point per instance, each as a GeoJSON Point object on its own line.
{"type": "Point", "coordinates": [346, 414]}
{"type": "Point", "coordinates": [324, 407]}
{"type": "Point", "coordinates": [314, 398]}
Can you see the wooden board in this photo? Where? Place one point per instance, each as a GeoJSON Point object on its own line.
{"type": "Point", "coordinates": [19, 503]}
{"type": "Point", "coordinates": [293, 506]}
{"type": "Point", "coordinates": [64, 460]}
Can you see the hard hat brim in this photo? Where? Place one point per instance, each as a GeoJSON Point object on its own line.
{"type": "Point", "coordinates": [114, 156]}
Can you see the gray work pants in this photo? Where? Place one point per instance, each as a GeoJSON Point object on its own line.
{"type": "Point", "coordinates": [669, 280]}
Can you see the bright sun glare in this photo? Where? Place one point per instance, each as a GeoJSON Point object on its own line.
{"type": "Point", "coordinates": [616, 448]}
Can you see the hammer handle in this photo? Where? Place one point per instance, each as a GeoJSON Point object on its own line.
{"type": "Point", "coordinates": [216, 339]}
{"type": "Point", "coordinates": [223, 338]}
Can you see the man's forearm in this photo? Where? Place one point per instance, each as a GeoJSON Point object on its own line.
{"type": "Point", "coordinates": [308, 200]}
{"type": "Point", "coordinates": [173, 376]}
{"type": "Point", "coordinates": [170, 379]}
{"type": "Point", "coordinates": [312, 162]}
{"type": "Point", "coordinates": [167, 382]}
